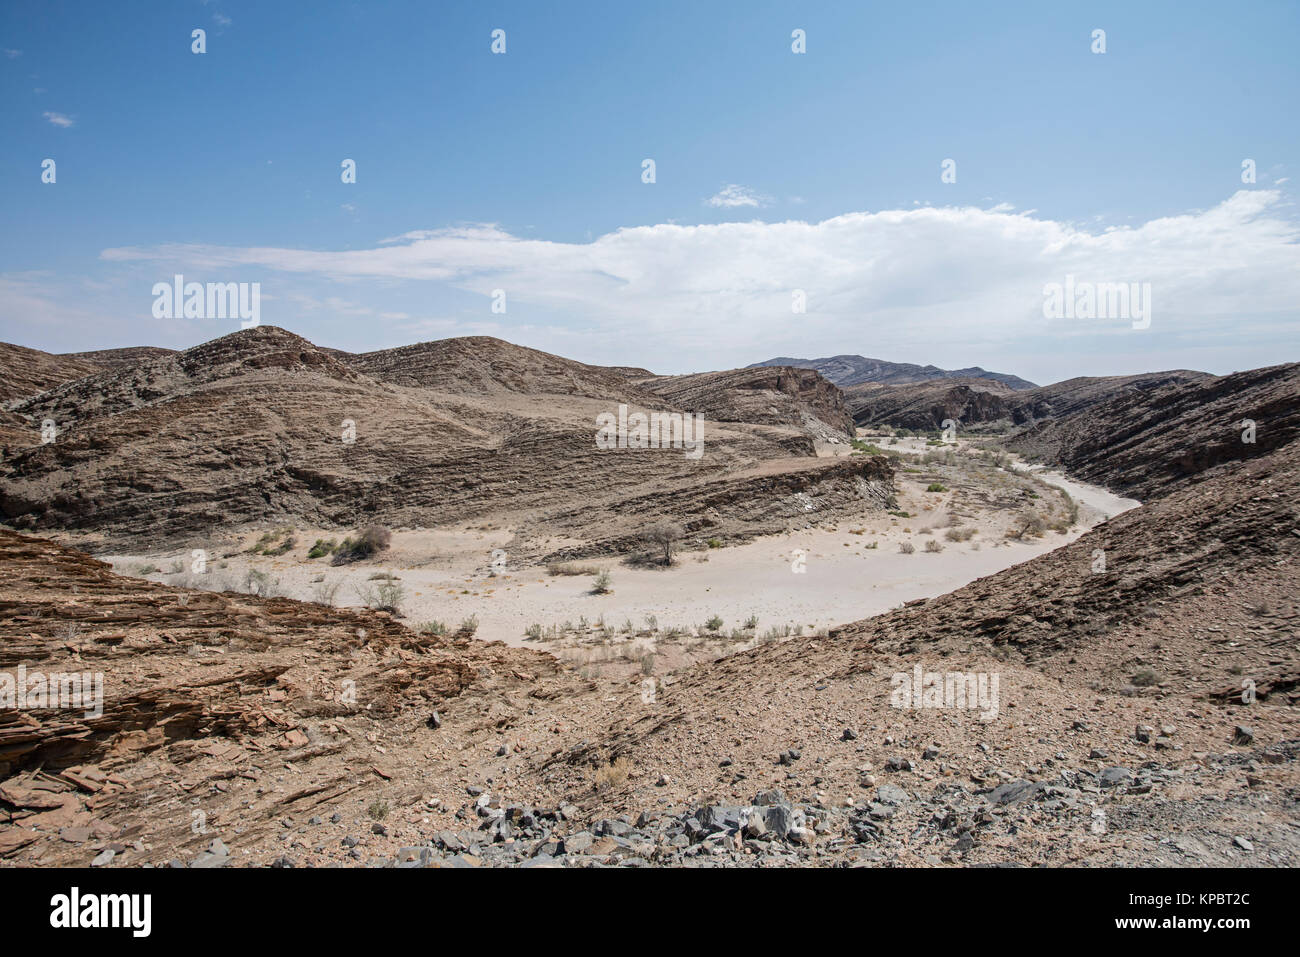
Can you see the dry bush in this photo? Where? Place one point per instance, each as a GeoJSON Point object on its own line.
{"type": "Point", "coordinates": [369, 541]}
{"type": "Point", "coordinates": [1031, 524]}
{"type": "Point", "coordinates": [613, 774]}
{"type": "Point", "coordinates": [571, 568]}
{"type": "Point", "coordinates": [906, 548]}
{"type": "Point", "coordinates": [663, 538]}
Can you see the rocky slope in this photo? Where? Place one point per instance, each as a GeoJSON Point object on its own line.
{"type": "Point", "coordinates": [261, 426]}
{"type": "Point", "coordinates": [1146, 442]}
{"type": "Point", "coordinates": [29, 371]}
{"type": "Point", "coordinates": [846, 370]}
{"type": "Point", "coordinates": [977, 403]}
{"type": "Point", "coordinates": [925, 406]}
{"type": "Point", "coordinates": [482, 365]}
{"type": "Point", "coordinates": [771, 394]}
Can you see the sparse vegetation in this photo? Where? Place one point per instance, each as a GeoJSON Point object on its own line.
{"type": "Point", "coordinates": [324, 592]}
{"type": "Point", "coordinates": [571, 568]}
{"type": "Point", "coordinates": [933, 546]}
{"type": "Point", "coordinates": [906, 548]}
{"type": "Point", "coordinates": [714, 623]}
{"type": "Point", "coordinates": [600, 584]}
{"type": "Point", "coordinates": [663, 538]}
{"type": "Point", "coordinates": [260, 583]}
{"type": "Point", "coordinates": [369, 541]}
{"type": "Point", "coordinates": [612, 775]}
{"type": "Point", "coordinates": [935, 487]}
{"type": "Point", "coordinates": [321, 548]}
{"type": "Point", "coordinates": [1030, 524]}
{"type": "Point", "coordinates": [386, 597]}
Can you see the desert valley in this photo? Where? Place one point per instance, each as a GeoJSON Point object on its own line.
{"type": "Point", "coordinates": [406, 608]}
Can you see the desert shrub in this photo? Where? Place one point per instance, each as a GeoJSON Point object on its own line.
{"type": "Point", "coordinates": [714, 543]}
{"type": "Point", "coordinates": [324, 593]}
{"type": "Point", "coordinates": [283, 547]}
{"type": "Point", "coordinates": [469, 626]}
{"type": "Point", "coordinates": [906, 548]}
{"type": "Point", "coordinates": [571, 568]}
{"type": "Point", "coordinates": [369, 541]}
{"type": "Point", "coordinates": [1029, 524]}
{"type": "Point", "coordinates": [386, 597]}
{"type": "Point", "coordinates": [751, 622]}
{"type": "Point", "coordinates": [714, 623]}
{"type": "Point", "coordinates": [935, 487]}
{"type": "Point", "coordinates": [612, 774]}
{"type": "Point", "coordinates": [933, 546]}
{"type": "Point", "coordinates": [321, 547]}
{"type": "Point", "coordinates": [533, 632]}
{"type": "Point", "coordinates": [663, 537]}
{"type": "Point", "coordinates": [439, 628]}
{"type": "Point", "coordinates": [378, 810]}
{"type": "Point", "coordinates": [959, 534]}
{"type": "Point", "coordinates": [1145, 679]}
{"type": "Point", "coordinates": [260, 583]}
{"type": "Point", "coordinates": [600, 584]}
{"type": "Point", "coordinates": [648, 663]}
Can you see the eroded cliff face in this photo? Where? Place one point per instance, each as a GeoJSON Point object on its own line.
{"type": "Point", "coordinates": [1145, 443]}
{"type": "Point", "coordinates": [776, 395]}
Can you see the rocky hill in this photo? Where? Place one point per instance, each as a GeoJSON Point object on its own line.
{"type": "Point", "coordinates": [1145, 442]}
{"type": "Point", "coordinates": [483, 365]}
{"type": "Point", "coordinates": [261, 426]}
{"type": "Point", "coordinates": [985, 402]}
{"type": "Point", "coordinates": [771, 394]}
{"type": "Point", "coordinates": [925, 405]}
{"type": "Point", "coordinates": [26, 372]}
{"type": "Point", "coordinates": [847, 370]}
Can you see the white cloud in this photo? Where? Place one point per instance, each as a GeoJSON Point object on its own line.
{"type": "Point", "coordinates": [951, 285]}
{"type": "Point", "coordinates": [13, 54]}
{"type": "Point", "coordinates": [735, 195]}
{"type": "Point", "coordinates": [221, 19]}
{"type": "Point", "coordinates": [59, 120]}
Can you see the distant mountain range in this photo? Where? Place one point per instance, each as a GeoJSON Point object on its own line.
{"type": "Point", "coordinates": [853, 370]}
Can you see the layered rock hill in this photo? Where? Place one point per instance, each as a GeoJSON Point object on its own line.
{"type": "Point", "coordinates": [26, 372]}
{"type": "Point", "coordinates": [261, 426]}
{"type": "Point", "coordinates": [926, 405]}
{"type": "Point", "coordinates": [980, 402]}
{"type": "Point", "coordinates": [208, 697]}
{"type": "Point", "coordinates": [120, 358]}
{"type": "Point", "coordinates": [1147, 442]}
{"type": "Point", "coordinates": [847, 370]}
{"type": "Point", "coordinates": [770, 394]}
{"type": "Point", "coordinates": [483, 365]}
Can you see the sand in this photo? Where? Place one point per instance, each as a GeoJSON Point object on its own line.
{"type": "Point", "coordinates": [814, 578]}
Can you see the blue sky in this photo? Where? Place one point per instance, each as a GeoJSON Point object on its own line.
{"type": "Point", "coordinates": [775, 171]}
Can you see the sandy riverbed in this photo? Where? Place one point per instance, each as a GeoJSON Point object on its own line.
{"type": "Point", "coordinates": [814, 578]}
